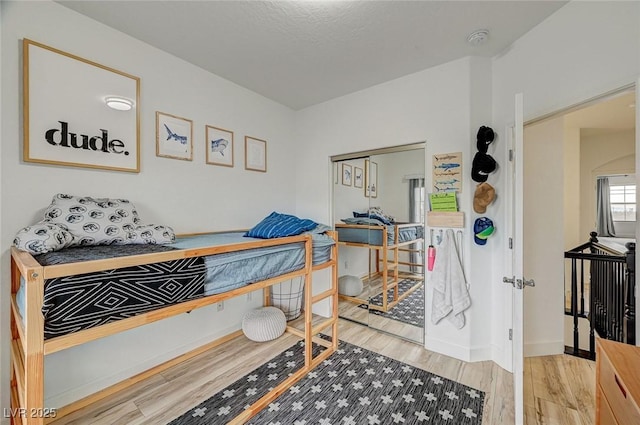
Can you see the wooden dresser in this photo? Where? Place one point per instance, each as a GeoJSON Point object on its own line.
{"type": "Point", "coordinates": [617, 383]}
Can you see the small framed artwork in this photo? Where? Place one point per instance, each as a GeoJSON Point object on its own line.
{"type": "Point", "coordinates": [346, 174]}
{"type": "Point", "coordinates": [174, 136]}
{"type": "Point", "coordinates": [219, 146]}
{"type": "Point", "coordinates": [370, 179]}
{"type": "Point", "coordinates": [255, 154]}
{"type": "Point", "coordinates": [358, 177]}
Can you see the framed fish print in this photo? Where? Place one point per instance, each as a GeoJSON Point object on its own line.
{"type": "Point", "coordinates": [78, 113]}
{"type": "Point", "coordinates": [255, 154]}
{"type": "Point", "coordinates": [219, 146]}
{"type": "Point", "coordinates": [346, 174]}
{"type": "Point", "coordinates": [447, 172]}
{"type": "Point", "coordinates": [358, 177]}
{"type": "Point", "coordinates": [174, 136]}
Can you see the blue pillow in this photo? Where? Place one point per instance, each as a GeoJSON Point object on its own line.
{"type": "Point", "coordinates": [277, 225]}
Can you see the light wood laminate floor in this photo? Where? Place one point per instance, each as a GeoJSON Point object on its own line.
{"type": "Point", "coordinates": [558, 389]}
{"type": "Point", "coordinates": [166, 396]}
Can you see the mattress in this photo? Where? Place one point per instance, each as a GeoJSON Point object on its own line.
{"type": "Point", "coordinates": [232, 270]}
{"type": "Point", "coordinates": [374, 236]}
{"type": "Point", "coordinates": [84, 301]}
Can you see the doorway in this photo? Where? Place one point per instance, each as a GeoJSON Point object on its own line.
{"type": "Point", "coordinates": [565, 153]}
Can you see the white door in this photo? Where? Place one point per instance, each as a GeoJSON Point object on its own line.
{"type": "Point", "coordinates": [514, 267]}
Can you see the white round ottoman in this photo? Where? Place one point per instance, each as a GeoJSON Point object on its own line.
{"type": "Point", "coordinates": [264, 324]}
{"type": "Point", "coordinates": [349, 285]}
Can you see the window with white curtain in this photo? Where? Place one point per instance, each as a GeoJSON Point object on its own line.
{"type": "Point", "coordinates": [623, 202]}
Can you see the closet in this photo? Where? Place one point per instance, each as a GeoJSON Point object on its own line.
{"type": "Point", "coordinates": [378, 202]}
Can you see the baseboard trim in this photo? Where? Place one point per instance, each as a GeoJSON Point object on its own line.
{"type": "Point", "coordinates": [448, 349]}
{"type": "Point", "coordinates": [480, 354]}
{"type": "Point", "coordinates": [547, 348]}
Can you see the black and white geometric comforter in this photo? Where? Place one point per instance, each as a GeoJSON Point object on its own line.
{"type": "Point", "coordinates": [78, 302]}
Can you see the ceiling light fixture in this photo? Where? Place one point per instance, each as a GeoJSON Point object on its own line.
{"type": "Point", "coordinates": [118, 103]}
{"type": "Point", "coordinates": [478, 37]}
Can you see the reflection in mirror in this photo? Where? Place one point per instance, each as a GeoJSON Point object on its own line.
{"type": "Point", "coordinates": [378, 209]}
{"type": "Point", "coordinates": [353, 268]}
{"type": "Point", "coordinates": [396, 304]}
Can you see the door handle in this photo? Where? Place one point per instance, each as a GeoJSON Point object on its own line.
{"type": "Point", "coordinates": [529, 282]}
{"type": "Point", "coordinates": [518, 283]}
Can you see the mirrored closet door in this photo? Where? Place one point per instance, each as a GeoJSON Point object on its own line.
{"type": "Point", "coordinates": [379, 210]}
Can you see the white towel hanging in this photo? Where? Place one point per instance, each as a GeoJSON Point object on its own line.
{"type": "Point", "coordinates": [450, 294]}
{"type": "Point", "coordinates": [459, 246]}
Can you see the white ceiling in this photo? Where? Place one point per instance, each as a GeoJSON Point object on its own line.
{"type": "Point", "coordinates": [300, 53]}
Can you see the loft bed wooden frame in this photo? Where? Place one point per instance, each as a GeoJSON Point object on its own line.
{"type": "Point", "coordinates": [390, 263]}
{"type": "Point", "coordinates": [28, 346]}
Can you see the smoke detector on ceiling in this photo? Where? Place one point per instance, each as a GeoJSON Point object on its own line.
{"type": "Point", "coordinates": [478, 37]}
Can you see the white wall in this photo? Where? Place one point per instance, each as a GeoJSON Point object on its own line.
{"type": "Point", "coordinates": [432, 105]}
{"type": "Point", "coordinates": [572, 210]}
{"type": "Point", "coordinates": [561, 62]}
{"type": "Point", "coordinates": [190, 196]}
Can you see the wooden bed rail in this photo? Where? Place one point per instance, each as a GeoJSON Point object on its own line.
{"type": "Point", "coordinates": [28, 346]}
{"type": "Point", "coordinates": [60, 270]}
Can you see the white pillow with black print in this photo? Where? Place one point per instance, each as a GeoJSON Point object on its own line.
{"type": "Point", "coordinates": [104, 221]}
{"type": "Point", "coordinates": [42, 237]}
{"type": "Point", "coordinates": [93, 221]}
{"type": "Point", "coordinates": [151, 234]}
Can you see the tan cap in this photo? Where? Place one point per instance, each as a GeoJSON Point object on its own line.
{"type": "Point", "coordinates": [485, 194]}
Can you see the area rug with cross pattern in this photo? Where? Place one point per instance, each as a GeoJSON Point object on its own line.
{"type": "Point", "coordinates": [410, 310]}
{"type": "Point", "coordinates": [352, 386]}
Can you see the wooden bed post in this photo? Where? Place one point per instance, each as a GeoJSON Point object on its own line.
{"type": "Point", "coordinates": [385, 267]}
{"type": "Point", "coordinates": [334, 289]}
{"type": "Point", "coordinates": [16, 343]}
{"type": "Point", "coordinates": [34, 362]}
{"type": "Point", "coordinates": [308, 305]}
{"type": "Point", "coordinates": [27, 345]}
{"type": "Point", "coordinates": [34, 345]}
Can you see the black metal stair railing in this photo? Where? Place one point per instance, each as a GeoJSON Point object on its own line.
{"type": "Point", "coordinates": [611, 293]}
